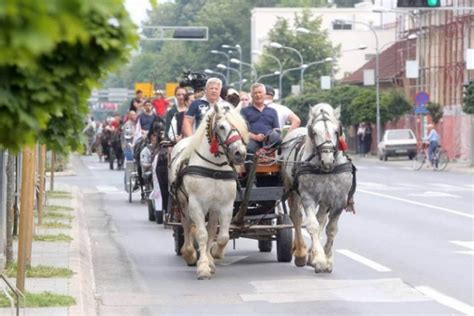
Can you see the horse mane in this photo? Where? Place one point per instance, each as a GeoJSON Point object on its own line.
{"type": "Point", "coordinates": [232, 116]}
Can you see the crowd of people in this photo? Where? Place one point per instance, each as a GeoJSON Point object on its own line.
{"type": "Point", "coordinates": [183, 113]}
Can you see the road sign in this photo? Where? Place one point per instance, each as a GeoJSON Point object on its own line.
{"type": "Point", "coordinates": [146, 88]}
{"type": "Point", "coordinates": [422, 98]}
{"type": "Point", "coordinates": [421, 109]}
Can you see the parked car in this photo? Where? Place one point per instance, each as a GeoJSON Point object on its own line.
{"type": "Point", "coordinates": [397, 142]}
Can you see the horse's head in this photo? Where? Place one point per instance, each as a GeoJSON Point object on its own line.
{"type": "Point", "coordinates": [324, 130]}
{"type": "Point", "coordinates": [229, 133]}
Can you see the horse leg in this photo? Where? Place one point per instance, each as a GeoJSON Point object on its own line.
{"type": "Point", "coordinates": [199, 220]}
{"type": "Point", "coordinates": [317, 259]}
{"type": "Point", "coordinates": [331, 231]}
{"type": "Point", "coordinates": [211, 233]}
{"type": "Point", "coordinates": [299, 247]}
{"type": "Point", "coordinates": [225, 217]}
{"type": "Point", "coordinates": [187, 250]}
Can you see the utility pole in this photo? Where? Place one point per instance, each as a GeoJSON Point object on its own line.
{"type": "Point", "coordinates": [30, 207]}
{"type": "Point", "coordinates": [42, 184]}
{"type": "Point", "coordinates": [53, 166]}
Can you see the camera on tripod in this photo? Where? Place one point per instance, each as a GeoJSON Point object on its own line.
{"type": "Point", "coordinates": [195, 80]}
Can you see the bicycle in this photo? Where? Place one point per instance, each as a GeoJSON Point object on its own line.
{"type": "Point", "coordinates": [440, 158]}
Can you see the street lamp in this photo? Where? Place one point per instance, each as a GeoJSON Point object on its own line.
{"type": "Point", "coordinates": [278, 45]}
{"type": "Point", "coordinates": [237, 61]}
{"type": "Point", "coordinates": [238, 49]}
{"type": "Point", "coordinates": [221, 66]}
{"type": "Point", "coordinates": [377, 84]}
{"type": "Point", "coordinates": [302, 67]}
{"type": "Point", "coordinates": [326, 60]}
{"type": "Point", "coordinates": [220, 74]}
{"type": "Point", "coordinates": [257, 52]}
{"type": "Point", "coordinates": [217, 52]}
{"type": "Point", "coordinates": [275, 73]}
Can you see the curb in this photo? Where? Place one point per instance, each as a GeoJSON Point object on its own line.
{"type": "Point", "coordinates": [83, 283]}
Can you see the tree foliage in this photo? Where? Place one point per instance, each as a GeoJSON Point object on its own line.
{"type": "Point", "coordinates": [52, 53]}
{"type": "Point", "coordinates": [468, 106]}
{"type": "Point", "coordinates": [436, 111]}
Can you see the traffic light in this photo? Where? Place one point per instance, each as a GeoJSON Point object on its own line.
{"type": "Point", "coordinates": [418, 3]}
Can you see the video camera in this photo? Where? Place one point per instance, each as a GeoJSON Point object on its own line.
{"type": "Point", "coordinates": [195, 80]}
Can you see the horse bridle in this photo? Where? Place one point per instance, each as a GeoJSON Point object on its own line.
{"type": "Point", "coordinates": [322, 148]}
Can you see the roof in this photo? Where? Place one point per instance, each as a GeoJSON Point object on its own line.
{"type": "Point", "coordinates": [390, 63]}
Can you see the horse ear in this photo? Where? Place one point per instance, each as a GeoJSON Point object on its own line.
{"type": "Point", "coordinates": [238, 107]}
{"type": "Point", "coordinates": [337, 112]}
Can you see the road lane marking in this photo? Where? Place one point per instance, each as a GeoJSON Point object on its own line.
{"type": "Point", "coordinates": [106, 188]}
{"type": "Point", "coordinates": [449, 187]}
{"type": "Point", "coordinates": [370, 263]}
{"type": "Point", "coordinates": [384, 290]}
{"type": "Point", "coordinates": [443, 209]}
{"type": "Point", "coordinates": [435, 194]}
{"type": "Point", "coordinates": [446, 300]}
{"type": "Point", "coordinates": [465, 244]}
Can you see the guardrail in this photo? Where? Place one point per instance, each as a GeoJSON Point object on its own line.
{"type": "Point", "coordinates": [16, 292]}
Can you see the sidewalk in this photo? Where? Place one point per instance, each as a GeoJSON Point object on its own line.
{"type": "Point", "coordinates": [75, 255]}
{"type": "Point", "coordinates": [403, 162]}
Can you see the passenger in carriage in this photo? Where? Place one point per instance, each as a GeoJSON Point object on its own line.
{"type": "Point", "coordinates": [199, 107]}
{"type": "Point", "coordinates": [262, 120]}
{"type": "Point", "coordinates": [285, 114]}
{"type": "Point", "coordinates": [175, 115]}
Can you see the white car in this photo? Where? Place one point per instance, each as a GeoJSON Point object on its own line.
{"type": "Point", "coordinates": [397, 142]}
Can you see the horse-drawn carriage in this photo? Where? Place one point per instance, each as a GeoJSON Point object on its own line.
{"type": "Point", "coordinates": [258, 211]}
{"type": "Point", "coordinates": [211, 201]}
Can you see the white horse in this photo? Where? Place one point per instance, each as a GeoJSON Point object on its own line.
{"type": "Point", "coordinates": [316, 174]}
{"type": "Point", "coordinates": [204, 182]}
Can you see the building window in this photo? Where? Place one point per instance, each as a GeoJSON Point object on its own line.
{"type": "Point", "coordinates": [369, 56]}
{"type": "Point", "coordinates": [342, 26]}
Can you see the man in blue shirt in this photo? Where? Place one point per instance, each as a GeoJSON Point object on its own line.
{"type": "Point", "coordinates": [433, 140]}
{"type": "Point", "coordinates": [199, 107]}
{"type": "Point", "coordinates": [263, 121]}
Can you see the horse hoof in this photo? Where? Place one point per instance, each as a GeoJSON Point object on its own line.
{"type": "Point", "coordinates": [204, 275]}
{"type": "Point", "coordinates": [215, 252]}
{"type": "Point", "coordinates": [300, 261]}
{"type": "Point", "coordinates": [191, 264]}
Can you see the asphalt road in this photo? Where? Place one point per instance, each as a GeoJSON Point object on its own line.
{"type": "Point", "coordinates": [408, 250]}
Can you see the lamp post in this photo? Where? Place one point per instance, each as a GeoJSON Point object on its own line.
{"type": "Point", "coordinates": [268, 75]}
{"type": "Point", "coordinates": [220, 74]}
{"type": "Point", "coordinates": [287, 71]}
{"type": "Point", "coordinates": [377, 84]}
{"type": "Point", "coordinates": [326, 60]}
{"type": "Point", "coordinates": [239, 62]}
{"type": "Point", "coordinates": [221, 66]}
{"type": "Point", "coordinates": [217, 52]}
{"type": "Point", "coordinates": [239, 50]}
{"type": "Point", "coordinates": [274, 58]}
{"type": "Point", "coordinates": [278, 45]}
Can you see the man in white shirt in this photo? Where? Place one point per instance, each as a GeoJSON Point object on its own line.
{"type": "Point", "coordinates": [285, 114]}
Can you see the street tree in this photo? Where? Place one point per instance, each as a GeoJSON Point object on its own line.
{"type": "Point", "coordinates": [468, 106]}
{"type": "Point", "coordinates": [436, 111]}
{"type": "Point", "coordinates": [313, 47]}
{"type": "Point", "coordinates": [52, 54]}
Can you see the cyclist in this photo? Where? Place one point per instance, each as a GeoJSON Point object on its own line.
{"type": "Point", "coordinates": [433, 141]}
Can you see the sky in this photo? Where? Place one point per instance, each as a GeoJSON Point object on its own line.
{"type": "Point", "coordinates": [137, 9]}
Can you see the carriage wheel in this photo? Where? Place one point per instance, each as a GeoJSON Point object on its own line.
{"type": "Point", "coordinates": [284, 240]}
{"type": "Point", "coordinates": [178, 234]}
{"type": "Point", "coordinates": [159, 217]}
{"type": "Point", "coordinates": [151, 211]}
{"type": "Point", "coordinates": [130, 190]}
{"type": "Point", "coordinates": [265, 245]}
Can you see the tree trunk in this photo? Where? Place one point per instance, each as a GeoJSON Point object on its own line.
{"type": "Point", "coordinates": [10, 206]}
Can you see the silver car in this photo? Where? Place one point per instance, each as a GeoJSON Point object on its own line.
{"type": "Point", "coordinates": [397, 142]}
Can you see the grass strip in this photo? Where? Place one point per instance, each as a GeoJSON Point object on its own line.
{"type": "Point", "coordinates": [40, 271]}
{"type": "Point", "coordinates": [58, 208]}
{"type": "Point", "coordinates": [43, 299]}
{"type": "Point", "coordinates": [54, 224]}
{"type": "Point", "coordinates": [56, 215]}
{"type": "Point", "coordinates": [59, 194]}
{"type": "Point", "coordinates": [53, 238]}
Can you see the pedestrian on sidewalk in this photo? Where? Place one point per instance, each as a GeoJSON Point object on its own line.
{"type": "Point", "coordinates": [367, 139]}
{"type": "Point", "coordinates": [360, 139]}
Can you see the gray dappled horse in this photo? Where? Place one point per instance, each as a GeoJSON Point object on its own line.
{"type": "Point", "coordinates": [203, 183]}
{"type": "Point", "coordinates": [318, 177]}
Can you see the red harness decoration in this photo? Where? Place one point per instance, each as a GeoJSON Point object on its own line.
{"type": "Point", "coordinates": [232, 139]}
{"type": "Point", "coordinates": [342, 144]}
{"type": "Point", "coordinates": [214, 149]}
